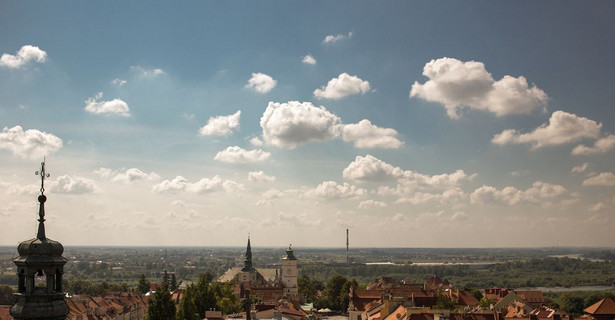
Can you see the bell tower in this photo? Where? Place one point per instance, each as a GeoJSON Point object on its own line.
{"type": "Point", "coordinates": [40, 267]}
{"type": "Point", "coordinates": [290, 273]}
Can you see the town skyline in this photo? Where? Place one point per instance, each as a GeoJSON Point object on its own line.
{"type": "Point", "coordinates": [413, 124]}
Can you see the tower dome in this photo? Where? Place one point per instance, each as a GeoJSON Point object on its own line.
{"type": "Point", "coordinates": [289, 254]}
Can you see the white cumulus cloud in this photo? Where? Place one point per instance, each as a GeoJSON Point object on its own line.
{"type": "Point", "coordinates": [30, 189]}
{"type": "Point", "coordinates": [112, 107]}
{"type": "Point", "coordinates": [409, 195]}
{"type": "Point", "coordinates": [30, 144]}
{"type": "Point", "coordinates": [298, 220]}
{"type": "Point", "coordinates": [331, 190]}
{"type": "Point", "coordinates": [221, 125]}
{"type": "Point", "coordinates": [308, 59]}
{"type": "Point", "coordinates": [372, 169]}
{"type": "Point", "coordinates": [563, 127]}
{"type": "Point", "coordinates": [256, 141]}
{"type": "Point", "coordinates": [24, 55]}
{"type": "Point", "coordinates": [205, 185]}
{"type": "Point", "coordinates": [73, 185]}
{"type": "Point", "coordinates": [457, 84]}
{"type": "Point", "coordinates": [270, 195]}
{"type": "Point", "coordinates": [261, 83]}
{"type": "Point", "coordinates": [366, 135]}
{"type": "Point", "coordinates": [259, 176]}
{"type": "Point", "coordinates": [236, 154]}
{"type": "Point", "coordinates": [330, 39]}
{"type": "Point", "coordinates": [342, 86]}
{"type": "Point", "coordinates": [459, 215]}
{"type": "Point", "coordinates": [288, 125]}
{"type": "Point", "coordinates": [147, 73]}
{"type": "Point", "coordinates": [118, 82]}
{"type": "Point", "coordinates": [602, 145]}
{"type": "Point", "coordinates": [603, 179]}
{"type": "Point", "coordinates": [134, 174]}
{"type": "Point", "coordinates": [513, 196]}
{"type": "Point", "coordinates": [581, 168]}
{"type": "Point", "coordinates": [371, 204]}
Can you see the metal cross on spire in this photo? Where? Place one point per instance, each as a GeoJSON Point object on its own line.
{"type": "Point", "coordinates": [41, 199]}
{"type": "Point", "coordinates": [43, 175]}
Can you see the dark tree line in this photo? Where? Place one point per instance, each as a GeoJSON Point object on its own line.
{"type": "Point", "coordinates": [534, 272]}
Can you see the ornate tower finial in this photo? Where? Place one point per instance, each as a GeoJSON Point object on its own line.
{"type": "Point", "coordinates": [43, 175]}
{"type": "Point", "coordinates": [41, 199]}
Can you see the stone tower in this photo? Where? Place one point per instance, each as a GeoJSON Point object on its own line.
{"type": "Point", "coordinates": [40, 266]}
{"type": "Point", "coordinates": [290, 272]}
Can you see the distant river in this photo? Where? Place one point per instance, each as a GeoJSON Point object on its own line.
{"type": "Point", "coordinates": [562, 289]}
{"type": "Point", "coordinates": [431, 264]}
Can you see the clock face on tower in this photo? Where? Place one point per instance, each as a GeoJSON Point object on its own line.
{"type": "Point", "coordinates": [288, 271]}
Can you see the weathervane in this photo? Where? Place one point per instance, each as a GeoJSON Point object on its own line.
{"type": "Point", "coordinates": [43, 176]}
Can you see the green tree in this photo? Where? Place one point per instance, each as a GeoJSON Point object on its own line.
{"type": "Point", "coordinates": [160, 306]}
{"type": "Point", "coordinates": [476, 293]}
{"type": "Point", "coordinates": [485, 302]}
{"type": "Point", "coordinates": [306, 288]}
{"type": "Point", "coordinates": [224, 297]}
{"type": "Point", "coordinates": [333, 295]}
{"type": "Point", "coordinates": [571, 303]}
{"type": "Point", "coordinates": [187, 309]}
{"type": "Point", "coordinates": [344, 296]}
{"type": "Point", "coordinates": [165, 278]}
{"type": "Point", "coordinates": [324, 302]}
{"type": "Point", "coordinates": [204, 298]}
{"type": "Point", "coordinates": [444, 303]}
{"type": "Point", "coordinates": [144, 285]}
{"type": "Point", "coordinates": [229, 305]}
{"type": "Point", "coordinates": [173, 282]}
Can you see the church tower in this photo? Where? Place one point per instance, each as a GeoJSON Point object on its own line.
{"type": "Point", "coordinates": [290, 272]}
{"type": "Point", "coordinates": [40, 266]}
{"type": "Point", "coordinates": [248, 273]}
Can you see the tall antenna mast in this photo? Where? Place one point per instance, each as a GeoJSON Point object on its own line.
{"type": "Point", "coordinates": [347, 260]}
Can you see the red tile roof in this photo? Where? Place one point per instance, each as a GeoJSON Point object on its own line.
{"type": "Point", "coordinates": [5, 313]}
{"type": "Point", "coordinates": [605, 306]}
{"type": "Point", "coordinates": [532, 296]}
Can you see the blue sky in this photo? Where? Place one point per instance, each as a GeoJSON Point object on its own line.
{"type": "Point", "coordinates": [413, 124]}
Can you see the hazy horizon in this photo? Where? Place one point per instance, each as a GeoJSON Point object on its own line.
{"type": "Point", "coordinates": [413, 124]}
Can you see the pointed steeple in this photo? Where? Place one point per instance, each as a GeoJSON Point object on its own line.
{"type": "Point", "coordinates": [247, 262]}
{"type": "Point", "coordinates": [41, 199]}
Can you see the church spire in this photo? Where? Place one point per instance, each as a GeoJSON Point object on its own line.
{"type": "Point", "coordinates": [247, 262]}
{"type": "Point", "coordinates": [41, 199]}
